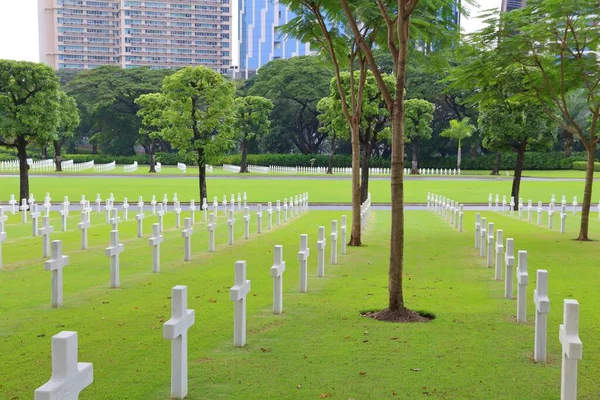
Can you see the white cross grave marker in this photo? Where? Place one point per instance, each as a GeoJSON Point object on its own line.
{"type": "Point", "coordinates": [230, 226]}
{"type": "Point", "coordinates": [211, 227]}
{"type": "Point", "coordinates": [259, 219]}
{"type": "Point", "coordinates": [269, 215]}
{"type": "Point", "coordinates": [193, 211]}
{"type": "Point", "coordinates": [321, 243]}
{"type": "Point", "coordinates": [113, 252]}
{"type": "Point", "coordinates": [215, 206]}
{"type": "Point", "coordinates": [540, 209]}
{"type": "Point", "coordinates": [224, 205]}
{"type": "Point", "coordinates": [13, 204]}
{"type": "Point", "coordinates": [477, 229]}
{"type": "Point", "coordinates": [35, 215]}
{"type": "Point", "coordinates": [64, 214]}
{"type": "Point", "coordinates": [204, 209]}
{"type": "Point", "coordinates": [153, 204]}
{"type": "Point", "coordinates": [83, 226]}
{"type": "Point", "coordinates": [499, 254]}
{"type": "Point", "coordinates": [165, 204]}
{"type": "Point", "coordinates": [542, 308]}
{"type": "Point", "coordinates": [98, 202]}
{"type": "Point", "coordinates": [177, 211]}
{"type": "Point", "coordinates": [69, 377]}
{"type": "Point", "coordinates": [563, 223]}
{"type": "Point", "coordinates": [3, 219]}
{"type": "Point", "coordinates": [522, 280]}
{"type": "Point", "coordinates": [125, 210]}
{"type": "Point", "coordinates": [334, 237]}
{"type": "Point", "coordinates": [509, 260]}
{"type": "Point", "coordinates": [343, 234]}
{"type": "Point", "coordinates": [186, 234]}
{"type": "Point", "coordinates": [278, 213]}
{"type": "Point", "coordinates": [490, 245]}
{"type": "Point", "coordinates": [572, 350]}
{"type": "Point", "coordinates": [238, 294]}
{"type": "Point", "coordinates": [175, 329]}
{"type": "Point", "coordinates": [160, 214]}
{"type": "Point", "coordinates": [303, 255]}
{"type": "Point", "coordinates": [155, 242]}
{"type": "Point", "coordinates": [56, 265]}
{"type": "Point", "coordinates": [285, 210]}
{"type": "Point", "coordinates": [277, 271]}
{"type": "Point", "coordinates": [45, 231]}
{"type": "Point", "coordinates": [246, 222]}
{"type": "Point", "coordinates": [115, 219]}
{"type": "Point", "coordinates": [140, 220]}
{"type": "Point", "coordinates": [483, 238]}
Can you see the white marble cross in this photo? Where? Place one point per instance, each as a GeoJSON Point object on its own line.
{"type": "Point", "coordinates": [496, 202]}
{"type": "Point", "coordinates": [245, 198]}
{"type": "Point", "coordinates": [572, 349]}
{"type": "Point", "coordinates": [69, 377]}
{"type": "Point", "coordinates": [83, 226]}
{"type": "Point", "coordinates": [225, 205]}
{"type": "Point", "coordinates": [35, 215]}
{"type": "Point", "coordinates": [512, 206]}
{"type": "Point", "coordinates": [334, 239]}
{"type": "Point", "coordinates": [277, 271]}
{"type": "Point", "coordinates": [177, 211]}
{"type": "Point", "coordinates": [232, 202]}
{"type": "Point", "coordinates": [56, 265]}
{"type": "Point", "coordinates": [125, 210]}
{"type": "Point", "coordinates": [575, 204]}
{"type": "Point", "coordinates": [529, 207]}
{"type": "Point", "coordinates": [140, 220]}
{"type": "Point", "coordinates": [155, 242]}
{"type": "Point", "coordinates": [482, 240]}
{"type": "Point", "coordinates": [193, 211]}
{"type": "Point", "coordinates": [285, 210]}
{"type": "Point", "coordinates": [238, 294]}
{"type": "Point", "coordinates": [321, 243]}
{"type": "Point", "coordinates": [542, 308]}
{"type": "Point", "coordinates": [292, 209]}
{"type": "Point", "coordinates": [343, 230]}
{"type": "Point", "coordinates": [563, 223]}
{"type": "Point", "coordinates": [522, 281]}
{"type": "Point", "coordinates": [211, 227]}
{"type": "Point", "coordinates": [113, 252]}
{"type": "Point", "coordinates": [499, 254]}
{"type": "Point", "coordinates": [153, 204]}
{"type": "Point", "coordinates": [45, 231]}
{"type": "Point", "coordinates": [259, 219]}
{"type": "Point", "coordinates": [98, 202]}
{"type": "Point", "coordinates": [303, 255]}
{"type": "Point", "coordinates": [540, 209]}
{"type": "Point", "coordinates": [550, 218]}
{"type": "Point", "coordinates": [165, 203]}
{"type": "Point", "coordinates": [160, 214]}
{"type": "Point", "coordinates": [239, 201]}
{"type": "Point", "coordinates": [246, 222]}
{"type": "Point", "coordinates": [490, 245]}
{"type": "Point", "coordinates": [230, 226]}
{"type": "Point", "coordinates": [186, 234]}
{"type": "Point", "coordinates": [3, 219]}
{"type": "Point", "coordinates": [47, 204]}
{"type": "Point", "coordinates": [509, 260]}
{"type": "Point", "coordinates": [278, 213]}
{"type": "Point", "coordinates": [2, 239]}
{"type": "Point", "coordinates": [64, 214]}
{"type": "Point", "coordinates": [503, 204]}
{"type": "Point", "coordinates": [108, 210]}
{"type": "Point", "coordinates": [490, 199]}
{"type": "Point", "coordinates": [477, 229]}
{"type": "Point", "coordinates": [83, 201]}
{"type": "Point", "coordinates": [215, 206]}
{"type": "Point", "coordinates": [13, 204]}
{"type": "Point", "coordinates": [66, 204]}
{"type": "Point", "coordinates": [204, 209]}
{"type": "Point", "coordinates": [115, 219]}
{"type": "Point", "coordinates": [175, 329]}
{"type": "Point", "coordinates": [562, 201]}
{"type": "Point", "coordinates": [269, 215]}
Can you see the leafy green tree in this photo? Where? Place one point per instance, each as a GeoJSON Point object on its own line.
{"type": "Point", "coordinates": [198, 115]}
{"type": "Point", "coordinates": [566, 61]}
{"type": "Point", "coordinates": [107, 95]}
{"type": "Point", "coordinates": [295, 86]}
{"type": "Point", "coordinates": [419, 115]}
{"type": "Point", "coordinates": [68, 121]}
{"type": "Point", "coordinates": [29, 104]}
{"type": "Point", "coordinates": [331, 122]}
{"type": "Point", "coordinates": [152, 108]}
{"type": "Point", "coordinates": [251, 121]}
{"type": "Point", "coordinates": [459, 130]}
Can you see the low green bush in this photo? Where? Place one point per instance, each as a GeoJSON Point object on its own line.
{"type": "Point", "coordinates": [582, 165]}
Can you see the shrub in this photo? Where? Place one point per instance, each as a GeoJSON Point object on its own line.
{"type": "Point", "coordinates": [582, 165]}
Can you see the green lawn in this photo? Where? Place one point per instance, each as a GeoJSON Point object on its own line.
{"type": "Point", "coordinates": [262, 190]}
{"type": "Point", "coordinates": [321, 346]}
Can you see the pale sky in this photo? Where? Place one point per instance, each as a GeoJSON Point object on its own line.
{"type": "Point", "coordinates": [19, 31]}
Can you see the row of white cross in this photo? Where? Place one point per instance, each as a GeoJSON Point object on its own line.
{"type": "Point", "coordinates": [365, 212]}
{"type": "Point", "coordinates": [434, 171]}
{"type": "Point", "coordinates": [70, 377]}
{"type": "Point", "coordinates": [569, 329]}
{"type": "Point", "coordinates": [449, 210]}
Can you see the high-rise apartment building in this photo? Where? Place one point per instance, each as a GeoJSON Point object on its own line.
{"type": "Point", "coordinates": [86, 34]}
{"type": "Point", "coordinates": [509, 5]}
{"type": "Point", "coordinates": [260, 40]}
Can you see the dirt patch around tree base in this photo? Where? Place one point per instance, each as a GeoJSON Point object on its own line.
{"type": "Point", "coordinates": [402, 316]}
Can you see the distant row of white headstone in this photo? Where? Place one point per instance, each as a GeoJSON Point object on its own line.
{"type": "Point", "coordinates": [488, 246]}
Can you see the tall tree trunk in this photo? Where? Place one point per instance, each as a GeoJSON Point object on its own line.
{"type": "Point", "coordinates": [94, 149]}
{"type": "Point", "coordinates": [45, 152]}
{"type": "Point", "coordinates": [415, 157]}
{"type": "Point", "coordinates": [516, 186]}
{"type": "Point", "coordinates": [202, 175]}
{"type": "Point", "coordinates": [568, 142]}
{"type": "Point", "coordinates": [153, 161]}
{"type": "Point", "coordinates": [496, 169]}
{"type": "Point", "coordinates": [244, 163]}
{"type": "Point", "coordinates": [473, 152]}
{"type": "Point", "coordinates": [331, 156]}
{"type": "Point", "coordinates": [458, 156]}
{"type": "Point", "coordinates": [58, 156]}
{"type": "Point", "coordinates": [364, 184]}
{"type": "Point", "coordinates": [23, 168]}
{"type": "Point", "coordinates": [355, 235]}
{"type": "Point", "coordinates": [587, 192]}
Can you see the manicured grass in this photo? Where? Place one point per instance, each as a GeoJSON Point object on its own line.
{"type": "Point", "coordinates": [320, 346]}
{"type": "Point", "coordinates": [261, 190]}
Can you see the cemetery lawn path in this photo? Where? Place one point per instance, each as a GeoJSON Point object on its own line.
{"type": "Point", "coordinates": [263, 190]}
{"type": "Point", "coordinates": [320, 347]}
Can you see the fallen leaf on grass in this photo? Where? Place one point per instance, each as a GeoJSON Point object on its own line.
{"type": "Point", "coordinates": [325, 395]}
{"type": "Point", "coordinates": [395, 338]}
{"type": "Point", "coordinates": [212, 300]}
{"type": "Point", "coordinates": [362, 373]}
{"type": "Point", "coordinates": [265, 349]}
{"type": "Point", "coordinates": [415, 369]}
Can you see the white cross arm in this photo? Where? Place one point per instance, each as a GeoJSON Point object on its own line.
{"type": "Point", "coordinates": [522, 278]}
{"type": "Point", "coordinates": [542, 303]}
{"type": "Point", "coordinates": [277, 270]}
{"type": "Point", "coordinates": [114, 250]}
{"type": "Point", "coordinates": [510, 260]}
{"type": "Point", "coordinates": [174, 327]}
{"type": "Point", "coordinates": [321, 244]}
{"type": "Point", "coordinates": [303, 255]}
{"type": "Point", "coordinates": [569, 331]}
{"type": "Point", "coordinates": [153, 241]}
{"type": "Point", "coordinates": [238, 292]}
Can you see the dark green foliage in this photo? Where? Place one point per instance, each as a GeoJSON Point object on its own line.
{"type": "Point", "coordinates": [581, 166]}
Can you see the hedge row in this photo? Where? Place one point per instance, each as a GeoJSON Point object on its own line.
{"type": "Point", "coordinates": [298, 160]}
{"type": "Point", "coordinates": [582, 165]}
